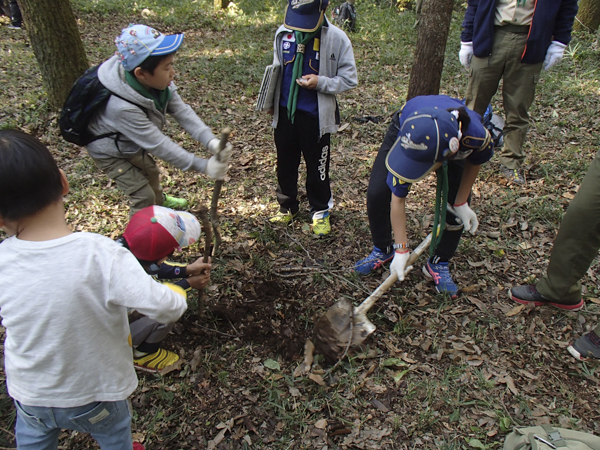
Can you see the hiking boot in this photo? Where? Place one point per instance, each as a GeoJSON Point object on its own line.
{"type": "Point", "coordinates": [14, 27]}
{"type": "Point", "coordinates": [528, 294]}
{"type": "Point", "coordinates": [155, 362]}
{"type": "Point", "coordinates": [374, 261]}
{"type": "Point", "coordinates": [513, 175]}
{"type": "Point", "coordinates": [174, 202]}
{"type": "Point", "coordinates": [586, 347]}
{"type": "Point", "coordinates": [283, 218]}
{"type": "Point", "coordinates": [322, 227]}
{"type": "Point", "coordinates": [444, 283]}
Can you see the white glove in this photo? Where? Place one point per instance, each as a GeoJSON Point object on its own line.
{"type": "Point", "coordinates": [216, 169]}
{"type": "Point", "coordinates": [398, 264]}
{"type": "Point", "coordinates": [466, 54]}
{"type": "Point", "coordinates": [554, 54]}
{"type": "Point", "coordinates": [214, 146]}
{"type": "Point", "coordinates": [466, 216]}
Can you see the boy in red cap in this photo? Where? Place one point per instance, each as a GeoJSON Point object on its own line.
{"type": "Point", "coordinates": [152, 235]}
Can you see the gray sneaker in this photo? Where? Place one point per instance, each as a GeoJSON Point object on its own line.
{"type": "Point", "coordinates": [586, 347]}
{"type": "Point", "coordinates": [513, 175]}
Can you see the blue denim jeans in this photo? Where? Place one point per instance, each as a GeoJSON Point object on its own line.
{"type": "Point", "coordinates": [109, 423]}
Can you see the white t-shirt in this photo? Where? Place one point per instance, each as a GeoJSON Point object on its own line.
{"type": "Point", "coordinates": [64, 304]}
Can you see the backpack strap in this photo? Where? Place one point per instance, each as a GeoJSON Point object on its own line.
{"type": "Point", "coordinates": [116, 134]}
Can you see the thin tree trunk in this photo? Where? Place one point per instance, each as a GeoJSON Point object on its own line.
{"type": "Point", "coordinates": [588, 17]}
{"type": "Point", "coordinates": [434, 26]}
{"type": "Point", "coordinates": [221, 4]}
{"type": "Point", "coordinates": [57, 45]}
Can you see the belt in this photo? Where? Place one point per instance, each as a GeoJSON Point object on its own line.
{"type": "Point", "coordinates": [519, 29]}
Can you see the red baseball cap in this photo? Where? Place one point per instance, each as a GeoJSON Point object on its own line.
{"type": "Point", "coordinates": [155, 232]}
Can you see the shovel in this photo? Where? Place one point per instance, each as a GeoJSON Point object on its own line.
{"type": "Point", "coordinates": [214, 218]}
{"type": "Point", "coordinates": [344, 326]}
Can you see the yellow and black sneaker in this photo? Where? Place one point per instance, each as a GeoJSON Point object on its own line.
{"type": "Point", "coordinates": [283, 218]}
{"type": "Point", "coordinates": [155, 362]}
{"type": "Point", "coordinates": [321, 226]}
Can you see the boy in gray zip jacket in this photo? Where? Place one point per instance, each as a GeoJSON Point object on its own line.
{"type": "Point", "coordinates": [140, 76]}
{"type": "Point", "coordinates": [317, 62]}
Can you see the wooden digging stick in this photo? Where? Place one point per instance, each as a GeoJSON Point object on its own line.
{"type": "Point", "coordinates": [202, 213]}
{"type": "Point", "coordinates": [214, 218]}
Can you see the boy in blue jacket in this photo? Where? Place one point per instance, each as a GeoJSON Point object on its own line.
{"type": "Point", "coordinates": [427, 132]}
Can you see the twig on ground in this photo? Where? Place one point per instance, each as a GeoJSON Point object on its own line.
{"type": "Point", "coordinates": [217, 331]}
{"type": "Point", "coordinates": [6, 431]}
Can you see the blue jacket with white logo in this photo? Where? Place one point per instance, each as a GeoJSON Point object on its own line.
{"type": "Point", "coordinates": [552, 21]}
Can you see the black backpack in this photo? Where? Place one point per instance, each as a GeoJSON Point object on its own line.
{"type": "Point", "coordinates": [86, 97]}
{"type": "Point", "coordinates": [344, 16]}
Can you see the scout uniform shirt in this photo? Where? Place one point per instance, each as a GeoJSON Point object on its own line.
{"type": "Point", "coordinates": [307, 98]}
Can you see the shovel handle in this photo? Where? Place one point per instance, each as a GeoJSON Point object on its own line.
{"type": "Point", "coordinates": [389, 281]}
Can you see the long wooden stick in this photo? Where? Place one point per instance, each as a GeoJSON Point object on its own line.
{"type": "Point", "coordinates": [214, 218]}
{"type": "Point", "coordinates": [389, 281]}
{"type": "Point", "coordinates": [202, 214]}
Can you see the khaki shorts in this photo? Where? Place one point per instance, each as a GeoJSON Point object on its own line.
{"type": "Point", "coordinates": [138, 177]}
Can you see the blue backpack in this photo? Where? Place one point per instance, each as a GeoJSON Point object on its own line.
{"type": "Point", "coordinates": [87, 96]}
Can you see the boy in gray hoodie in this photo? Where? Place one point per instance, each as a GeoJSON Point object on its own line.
{"type": "Point", "coordinates": [140, 76]}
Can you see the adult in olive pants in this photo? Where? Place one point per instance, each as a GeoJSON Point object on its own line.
{"type": "Point", "coordinates": [575, 248]}
{"type": "Point", "coordinates": [518, 92]}
{"type": "Point", "coordinates": [577, 242]}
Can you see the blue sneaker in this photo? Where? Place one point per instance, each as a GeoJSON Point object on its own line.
{"type": "Point", "coordinates": [375, 260]}
{"type": "Point", "coordinates": [441, 277]}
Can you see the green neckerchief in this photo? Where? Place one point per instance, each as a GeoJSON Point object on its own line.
{"type": "Point", "coordinates": [160, 97]}
{"type": "Point", "coordinates": [441, 203]}
{"type": "Point", "coordinates": [301, 40]}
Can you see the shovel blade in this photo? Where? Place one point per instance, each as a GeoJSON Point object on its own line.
{"type": "Point", "coordinates": [333, 330]}
{"type": "Point", "coordinates": [361, 329]}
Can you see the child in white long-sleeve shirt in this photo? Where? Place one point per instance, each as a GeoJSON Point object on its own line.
{"type": "Point", "coordinates": [63, 301]}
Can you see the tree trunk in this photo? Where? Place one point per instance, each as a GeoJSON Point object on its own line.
{"type": "Point", "coordinates": [588, 17]}
{"type": "Point", "coordinates": [434, 26]}
{"type": "Point", "coordinates": [56, 43]}
{"type": "Point", "coordinates": [221, 4]}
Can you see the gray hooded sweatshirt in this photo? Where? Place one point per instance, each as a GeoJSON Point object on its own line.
{"type": "Point", "coordinates": [139, 123]}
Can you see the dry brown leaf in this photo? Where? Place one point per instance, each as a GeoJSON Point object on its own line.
{"type": "Point", "coordinates": [321, 424]}
{"type": "Point", "coordinates": [516, 310]}
{"type": "Point", "coordinates": [172, 367]}
{"type": "Point", "coordinates": [317, 379]}
{"type": "Point", "coordinates": [217, 440]}
{"type": "Point", "coordinates": [195, 362]}
{"type": "Point", "coordinates": [476, 302]}
{"type": "Point", "coordinates": [380, 406]}
{"type": "Point", "coordinates": [305, 366]}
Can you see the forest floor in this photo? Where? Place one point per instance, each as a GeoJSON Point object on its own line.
{"type": "Point", "coordinates": [437, 373]}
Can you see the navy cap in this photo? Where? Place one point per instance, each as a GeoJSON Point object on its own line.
{"type": "Point", "coordinates": [428, 136]}
{"type": "Point", "coordinates": [305, 15]}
